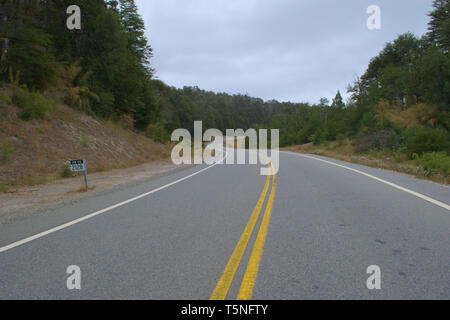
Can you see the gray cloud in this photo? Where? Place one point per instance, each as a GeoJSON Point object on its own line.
{"type": "Point", "coordinates": [289, 50]}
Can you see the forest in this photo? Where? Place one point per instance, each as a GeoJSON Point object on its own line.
{"type": "Point", "coordinates": [399, 105]}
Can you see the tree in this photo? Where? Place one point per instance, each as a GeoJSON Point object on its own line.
{"type": "Point", "coordinates": [399, 53]}
{"type": "Point", "coordinates": [324, 102]}
{"type": "Point", "coordinates": [135, 28]}
{"type": "Point", "coordinates": [113, 5]}
{"type": "Point", "coordinates": [439, 26]}
{"type": "Point", "coordinates": [430, 78]}
{"type": "Point", "coordinates": [338, 102]}
{"type": "Point", "coordinates": [29, 46]}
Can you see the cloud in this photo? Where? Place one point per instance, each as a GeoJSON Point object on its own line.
{"type": "Point", "coordinates": [289, 50]}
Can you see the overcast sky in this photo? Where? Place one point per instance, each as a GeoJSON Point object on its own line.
{"type": "Point", "coordinates": [288, 50]}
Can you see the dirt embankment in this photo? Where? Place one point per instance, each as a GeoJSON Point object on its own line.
{"type": "Point", "coordinates": [34, 152]}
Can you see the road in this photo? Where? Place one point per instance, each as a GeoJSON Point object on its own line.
{"type": "Point", "coordinates": [200, 234]}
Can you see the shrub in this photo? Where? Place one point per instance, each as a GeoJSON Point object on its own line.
{"type": "Point", "coordinates": [6, 151]}
{"type": "Point", "coordinates": [435, 163]}
{"type": "Point", "coordinates": [127, 121]}
{"type": "Point", "coordinates": [340, 139]}
{"type": "Point", "coordinates": [33, 104]}
{"type": "Point", "coordinates": [74, 85]}
{"type": "Point", "coordinates": [85, 140]}
{"type": "Point", "coordinates": [4, 100]}
{"type": "Point", "coordinates": [400, 155]}
{"type": "Point", "coordinates": [157, 133]}
{"type": "Point", "coordinates": [65, 171]}
{"type": "Point", "coordinates": [373, 140]}
{"type": "Point", "coordinates": [395, 140]}
{"type": "Point", "coordinates": [318, 137]}
{"type": "Point", "coordinates": [423, 140]}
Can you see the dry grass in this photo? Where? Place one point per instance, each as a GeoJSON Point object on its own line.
{"type": "Point", "coordinates": [41, 147]}
{"type": "Point", "coordinates": [82, 190]}
{"type": "Point", "coordinates": [345, 151]}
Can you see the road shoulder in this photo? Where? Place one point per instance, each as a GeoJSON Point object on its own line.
{"type": "Point", "coordinates": [29, 200]}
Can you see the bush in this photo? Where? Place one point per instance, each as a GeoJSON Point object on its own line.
{"type": "Point", "coordinates": [65, 171]}
{"type": "Point", "coordinates": [157, 133]}
{"type": "Point", "coordinates": [394, 141]}
{"type": "Point", "coordinates": [400, 155]}
{"type": "Point", "coordinates": [318, 137]}
{"type": "Point", "coordinates": [435, 163]}
{"type": "Point", "coordinates": [127, 121]}
{"type": "Point", "coordinates": [33, 104]}
{"type": "Point", "coordinates": [423, 140]}
{"type": "Point", "coordinates": [4, 100]}
{"type": "Point", "coordinates": [340, 139]}
{"type": "Point", "coordinates": [85, 140]}
{"type": "Point", "coordinates": [6, 151]}
{"type": "Point", "coordinates": [373, 140]}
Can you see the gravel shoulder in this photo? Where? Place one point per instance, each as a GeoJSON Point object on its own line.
{"type": "Point", "coordinates": [29, 200]}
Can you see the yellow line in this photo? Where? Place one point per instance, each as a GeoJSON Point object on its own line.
{"type": "Point", "coordinates": [248, 282]}
{"type": "Point", "coordinates": [224, 283]}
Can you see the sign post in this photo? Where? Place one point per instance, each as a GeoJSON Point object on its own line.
{"type": "Point", "coordinates": [78, 166]}
{"type": "Point", "coordinates": [85, 175]}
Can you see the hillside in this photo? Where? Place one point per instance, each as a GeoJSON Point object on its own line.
{"type": "Point", "coordinates": [34, 151]}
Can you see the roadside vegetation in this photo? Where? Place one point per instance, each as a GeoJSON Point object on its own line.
{"type": "Point", "coordinates": [434, 166]}
{"type": "Point", "coordinates": [6, 151]}
{"type": "Point", "coordinates": [33, 105]}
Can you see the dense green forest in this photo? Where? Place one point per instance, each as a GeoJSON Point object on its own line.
{"type": "Point", "coordinates": [401, 103]}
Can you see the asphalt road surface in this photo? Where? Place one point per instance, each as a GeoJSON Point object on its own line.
{"type": "Point", "coordinates": [227, 232]}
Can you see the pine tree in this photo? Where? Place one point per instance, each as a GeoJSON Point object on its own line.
{"type": "Point", "coordinates": [439, 26]}
{"type": "Point", "coordinates": [113, 5]}
{"type": "Point", "coordinates": [135, 28]}
{"type": "Point", "coordinates": [338, 102]}
{"type": "Point", "coordinates": [27, 47]}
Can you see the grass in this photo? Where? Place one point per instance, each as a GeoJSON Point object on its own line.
{"type": "Point", "coordinates": [429, 167]}
{"type": "Point", "coordinates": [36, 180]}
{"type": "Point", "coordinates": [82, 189]}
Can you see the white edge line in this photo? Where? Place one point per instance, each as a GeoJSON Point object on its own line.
{"type": "Point", "coordinates": [419, 195]}
{"type": "Point", "coordinates": [89, 216]}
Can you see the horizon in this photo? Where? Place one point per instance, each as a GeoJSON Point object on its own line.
{"type": "Point", "coordinates": [277, 69]}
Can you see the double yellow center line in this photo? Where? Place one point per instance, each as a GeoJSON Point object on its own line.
{"type": "Point", "coordinates": [251, 273]}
